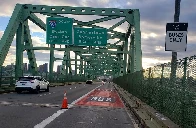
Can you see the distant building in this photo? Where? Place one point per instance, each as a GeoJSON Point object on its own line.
{"type": "Point", "coordinates": [10, 67]}
{"type": "Point", "coordinates": [45, 67]}
{"type": "Point", "coordinates": [41, 68]}
{"type": "Point", "coordinates": [8, 70]}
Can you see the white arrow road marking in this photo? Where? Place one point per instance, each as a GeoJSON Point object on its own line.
{"type": "Point", "coordinates": [59, 112]}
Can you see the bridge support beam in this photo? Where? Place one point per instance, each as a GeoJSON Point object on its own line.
{"type": "Point", "coordinates": [120, 58]}
{"type": "Point", "coordinates": [132, 50]}
{"type": "Point", "coordinates": [51, 65]}
{"type": "Point", "coordinates": [69, 63]}
{"type": "Point", "coordinates": [76, 64]}
{"type": "Point", "coordinates": [125, 56]}
{"type": "Point", "coordinates": [65, 66]}
{"type": "Point", "coordinates": [19, 51]}
{"type": "Point", "coordinates": [137, 42]}
{"type": "Point", "coordinates": [30, 53]}
{"type": "Point", "coordinates": [81, 67]}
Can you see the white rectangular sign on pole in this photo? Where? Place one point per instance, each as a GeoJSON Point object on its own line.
{"type": "Point", "coordinates": [176, 37]}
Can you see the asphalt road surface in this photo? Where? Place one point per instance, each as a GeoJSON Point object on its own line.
{"type": "Point", "coordinates": [89, 106]}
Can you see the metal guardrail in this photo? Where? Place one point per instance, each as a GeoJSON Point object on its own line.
{"type": "Point", "coordinates": [175, 98]}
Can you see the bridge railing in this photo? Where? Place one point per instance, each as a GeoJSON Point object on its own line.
{"type": "Point", "coordinates": [7, 80]}
{"type": "Point", "coordinates": [176, 98]}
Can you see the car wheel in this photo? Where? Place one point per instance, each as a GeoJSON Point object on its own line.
{"type": "Point", "coordinates": [19, 92]}
{"type": "Point", "coordinates": [47, 90]}
{"type": "Point", "coordinates": [37, 89]}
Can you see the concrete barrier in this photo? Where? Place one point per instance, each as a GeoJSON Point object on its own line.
{"type": "Point", "coordinates": [65, 83]}
{"type": "Point", "coordinates": [56, 84]}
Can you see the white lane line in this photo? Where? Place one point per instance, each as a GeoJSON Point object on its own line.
{"type": "Point", "coordinates": [70, 88]}
{"type": "Point", "coordinates": [59, 112]}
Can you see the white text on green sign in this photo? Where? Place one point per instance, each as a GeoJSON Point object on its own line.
{"type": "Point", "coordinates": [90, 37]}
{"type": "Point", "coordinates": [59, 31]}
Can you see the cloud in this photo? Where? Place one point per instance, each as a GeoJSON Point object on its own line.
{"type": "Point", "coordinates": [149, 62]}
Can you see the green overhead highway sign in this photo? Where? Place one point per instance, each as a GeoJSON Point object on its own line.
{"type": "Point", "coordinates": [90, 37]}
{"type": "Point", "coordinates": [59, 31]}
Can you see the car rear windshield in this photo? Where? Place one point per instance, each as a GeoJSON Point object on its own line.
{"type": "Point", "coordinates": [26, 78]}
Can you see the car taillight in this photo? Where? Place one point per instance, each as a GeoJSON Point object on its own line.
{"type": "Point", "coordinates": [31, 81]}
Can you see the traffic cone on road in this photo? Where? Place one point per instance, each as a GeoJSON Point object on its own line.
{"type": "Point", "coordinates": [64, 104]}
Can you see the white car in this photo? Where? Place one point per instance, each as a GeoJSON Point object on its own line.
{"type": "Point", "coordinates": [31, 83]}
{"type": "Point", "coordinates": [89, 81]}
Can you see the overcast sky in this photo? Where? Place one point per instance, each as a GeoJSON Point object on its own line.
{"type": "Point", "coordinates": [154, 14]}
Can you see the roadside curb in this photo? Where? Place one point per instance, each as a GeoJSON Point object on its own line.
{"type": "Point", "coordinates": [147, 116]}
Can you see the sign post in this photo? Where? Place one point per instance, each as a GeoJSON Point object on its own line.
{"type": "Point", "coordinates": [174, 54]}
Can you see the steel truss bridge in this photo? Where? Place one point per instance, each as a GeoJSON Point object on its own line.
{"type": "Point", "coordinates": [123, 55]}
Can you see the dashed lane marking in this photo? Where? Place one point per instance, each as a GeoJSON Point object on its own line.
{"type": "Point", "coordinates": [5, 103]}
{"type": "Point", "coordinates": [59, 112]}
{"type": "Point", "coordinates": [46, 94]}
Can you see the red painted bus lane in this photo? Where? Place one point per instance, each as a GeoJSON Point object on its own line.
{"type": "Point", "coordinates": [102, 97]}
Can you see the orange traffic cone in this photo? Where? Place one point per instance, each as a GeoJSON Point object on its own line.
{"type": "Point", "coordinates": [64, 104]}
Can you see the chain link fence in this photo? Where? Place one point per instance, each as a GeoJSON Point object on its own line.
{"type": "Point", "coordinates": [176, 98]}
